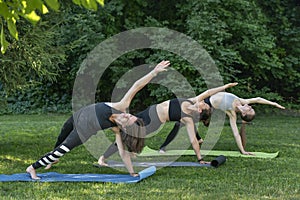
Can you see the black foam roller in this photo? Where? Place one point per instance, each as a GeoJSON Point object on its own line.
{"type": "Point", "coordinates": [218, 161]}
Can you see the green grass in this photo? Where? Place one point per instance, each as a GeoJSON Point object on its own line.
{"type": "Point", "coordinates": [24, 138]}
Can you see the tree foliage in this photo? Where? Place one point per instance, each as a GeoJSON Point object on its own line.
{"type": "Point", "coordinates": [12, 11]}
{"type": "Point", "coordinates": [255, 43]}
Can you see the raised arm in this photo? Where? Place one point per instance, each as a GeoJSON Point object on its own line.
{"type": "Point", "coordinates": [261, 101]}
{"type": "Point", "coordinates": [211, 92]}
{"type": "Point", "coordinates": [139, 84]}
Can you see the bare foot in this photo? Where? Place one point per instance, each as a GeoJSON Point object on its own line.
{"type": "Point", "coordinates": [50, 165]}
{"type": "Point", "coordinates": [132, 155]}
{"type": "Point", "coordinates": [101, 161]}
{"type": "Point", "coordinates": [30, 170]}
{"type": "Point", "coordinates": [162, 151]}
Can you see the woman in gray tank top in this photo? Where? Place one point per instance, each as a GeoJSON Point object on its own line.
{"type": "Point", "coordinates": [90, 119]}
{"type": "Point", "coordinates": [232, 105]}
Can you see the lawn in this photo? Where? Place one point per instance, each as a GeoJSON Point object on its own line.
{"type": "Point", "coordinates": [24, 138]}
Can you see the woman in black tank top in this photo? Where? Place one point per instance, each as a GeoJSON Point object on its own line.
{"type": "Point", "coordinates": [84, 123]}
{"type": "Point", "coordinates": [204, 117]}
{"type": "Point", "coordinates": [179, 110]}
{"type": "Point", "coordinates": [231, 105]}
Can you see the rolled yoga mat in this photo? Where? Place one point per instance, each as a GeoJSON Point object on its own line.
{"type": "Point", "coordinates": [218, 161]}
{"type": "Point", "coordinates": [57, 177]}
{"type": "Point", "coordinates": [151, 152]}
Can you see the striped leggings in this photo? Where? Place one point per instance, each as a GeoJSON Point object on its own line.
{"type": "Point", "coordinates": [67, 140]}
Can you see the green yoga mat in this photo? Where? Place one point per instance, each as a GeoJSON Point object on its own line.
{"type": "Point", "coordinates": [147, 151]}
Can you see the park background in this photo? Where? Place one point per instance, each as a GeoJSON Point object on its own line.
{"type": "Point", "coordinates": [255, 43]}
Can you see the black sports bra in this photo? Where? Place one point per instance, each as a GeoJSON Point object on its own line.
{"type": "Point", "coordinates": [103, 112]}
{"type": "Point", "coordinates": [207, 100]}
{"type": "Point", "coordinates": [175, 112]}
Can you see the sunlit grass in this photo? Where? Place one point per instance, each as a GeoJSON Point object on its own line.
{"type": "Point", "coordinates": [24, 138]}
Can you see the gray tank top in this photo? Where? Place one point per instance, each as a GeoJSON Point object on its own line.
{"type": "Point", "coordinates": [226, 100]}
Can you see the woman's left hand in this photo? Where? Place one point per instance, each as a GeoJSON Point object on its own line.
{"type": "Point", "coordinates": [204, 162]}
{"type": "Point", "coordinates": [161, 66]}
{"type": "Point", "coordinates": [279, 106]}
{"type": "Point", "coordinates": [134, 174]}
{"type": "Point", "coordinates": [248, 153]}
{"type": "Point", "coordinates": [231, 84]}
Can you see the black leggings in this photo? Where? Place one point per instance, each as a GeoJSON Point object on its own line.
{"type": "Point", "coordinates": [66, 141]}
{"type": "Point", "coordinates": [173, 134]}
{"type": "Point", "coordinates": [113, 147]}
{"type": "Point", "coordinates": [65, 131]}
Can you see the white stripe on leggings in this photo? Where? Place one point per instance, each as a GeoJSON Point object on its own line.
{"type": "Point", "coordinates": [52, 158]}
{"type": "Point", "coordinates": [63, 147]}
{"type": "Point", "coordinates": [47, 161]}
{"type": "Point", "coordinates": [58, 153]}
{"type": "Point", "coordinates": [41, 162]}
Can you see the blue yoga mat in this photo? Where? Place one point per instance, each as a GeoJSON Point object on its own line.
{"type": "Point", "coordinates": [57, 177]}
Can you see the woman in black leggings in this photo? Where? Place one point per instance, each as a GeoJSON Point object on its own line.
{"type": "Point", "coordinates": [231, 105]}
{"type": "Point", "coordinates": [204, 118]}
{"type": "Point", "coordinates": [84, 123]}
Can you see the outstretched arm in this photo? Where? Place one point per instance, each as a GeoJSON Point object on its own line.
{"type": "Point", "coordinates": [261, 101]}
{"type": "Point", "coordinates": [139, 84]}
{"type": "Point", "coordinates": [211, 92]}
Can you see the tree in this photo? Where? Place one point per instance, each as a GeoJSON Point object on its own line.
{"type": "Point", "coordinates": [12, 11]}
{"type": "Point", "coordinates": [253, 42]}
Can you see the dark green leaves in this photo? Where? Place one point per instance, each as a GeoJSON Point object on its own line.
{"type": "Point", "coordinates": [10, 12]}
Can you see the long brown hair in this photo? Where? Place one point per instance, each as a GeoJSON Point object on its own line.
{"type": "Point", "coordinates": [248, 117]}
{"type": "Point", "coordinates": [133, 136]}
{"type": "Point", "coordinates": [204, 116]}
